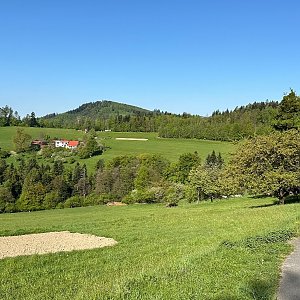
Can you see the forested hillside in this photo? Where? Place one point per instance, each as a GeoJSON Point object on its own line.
{"type": "Point", "coordinates": [259, 118]}
{"type": "Point", "coordinates": [239, 123]}
{"type": "Point", "coordinates": [91, 114]}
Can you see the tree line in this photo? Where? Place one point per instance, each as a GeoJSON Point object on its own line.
{"type": "Point", "coordinates": [232, 125]}
{"type": "Point", "coordinates": [246, 121]}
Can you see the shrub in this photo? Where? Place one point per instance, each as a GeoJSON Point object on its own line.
{"type": "Point", "coordinates": [4, 154]}
{"type": "Point", "coordinates": [75, 201]}
{"type": "Point", "coordinates": [51, 200]}
{"type": "Point", "coordinates": [71, 160]}
{"type": "Point", "coordinates": [151, 195]}
{"type": "Point", "coordinates": [60, 205]}
{"type": "Point", "coordinates": [174, 194]}
{"type": "Point", "coordinates": [94, 199]}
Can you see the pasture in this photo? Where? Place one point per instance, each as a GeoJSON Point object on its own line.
{"type": "Point", "coordinates": [168, 148]}
{"type": "Point", "coordinates": [229, 249]}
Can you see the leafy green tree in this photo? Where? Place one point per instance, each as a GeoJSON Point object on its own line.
{"type": "Point", "coordinates": [90, 147]}
{"type": "Point", "coordinates": [179, 171]}
{"type": "Point", "coordinates": [117, 177]}
{"type": "Point", "coordinates": [269, 165]}
{"type": "Point", "coordinates": [22, 140]}
{"type": "Point", "coordinates": [144, 178]}
{"type": "Point", "coordinates": [204, 183]}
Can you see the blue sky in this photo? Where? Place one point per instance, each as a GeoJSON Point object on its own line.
{"type": "Point", "coordinates": [179, 56]}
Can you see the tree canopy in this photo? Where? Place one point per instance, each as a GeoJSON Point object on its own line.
{"type": "Point", "coordinates": [269, 165]}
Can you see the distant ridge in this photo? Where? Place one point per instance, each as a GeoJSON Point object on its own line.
{"type": "Point", "coordinates": [230, 125]}
{"type": "Point", "coordinates": [101, 109]}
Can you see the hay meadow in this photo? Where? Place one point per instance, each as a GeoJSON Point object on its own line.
{"type": "Point", "coordinates": [228, 249]}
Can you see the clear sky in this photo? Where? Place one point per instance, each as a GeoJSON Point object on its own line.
{"type": "Point", "coordinates": [191, 56]}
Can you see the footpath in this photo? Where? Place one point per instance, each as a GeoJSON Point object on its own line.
{"type": "Point", "coordinates": [289, 288]}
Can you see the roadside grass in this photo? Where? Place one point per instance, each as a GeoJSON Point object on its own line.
{"type": "Point", "coordinates": [168, 148]}
{"type": "Point", "coordinates": [229, 249]}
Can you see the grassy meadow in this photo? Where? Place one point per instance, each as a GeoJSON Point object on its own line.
{"type": "Point", "coordinates": [229, 249]}
{"type": "Point", "coordinates": [168, 148]}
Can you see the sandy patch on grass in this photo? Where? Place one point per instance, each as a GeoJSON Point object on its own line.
{"type": "Point", "coordinates": [131, 139]}
{"type": "Point", "coordinates": [50, 242]}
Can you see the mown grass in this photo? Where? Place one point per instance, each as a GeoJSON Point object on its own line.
{"type": "Point", "coordinates": [168, 148]}
{"type": "Point", "coordinates": [188, 252]}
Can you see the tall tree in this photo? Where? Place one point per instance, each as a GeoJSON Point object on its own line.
{"type": "Point", "coordinates": [6, 115]}
{"type": "Point", "coordinates": [22, 140]}
{"type": "Point", "coordinates": [288, 116]}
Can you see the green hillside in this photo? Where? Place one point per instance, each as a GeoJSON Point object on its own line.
{"type": "Point", "coordinates": [168, 148]}
{"type": "Point", "coordinates": [99, 110]}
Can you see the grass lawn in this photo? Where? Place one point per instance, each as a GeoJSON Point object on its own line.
{"type": "Point", "coordinates": [169, 148]}
{"type": "Point", "coordinates": [163, 253]}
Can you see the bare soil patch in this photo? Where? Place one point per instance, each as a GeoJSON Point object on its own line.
{"type": "Point", "coordinates": [115, 203]}
{"type": "Point", "coordinates": [50, 242]}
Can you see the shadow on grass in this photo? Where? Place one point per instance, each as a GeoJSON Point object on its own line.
{"type": "Point", "coordinates": [264, 205]}
{"type": "Point", "coordinates": [259, 289]}
{"type": "Point", "coordinates": [287, 200]}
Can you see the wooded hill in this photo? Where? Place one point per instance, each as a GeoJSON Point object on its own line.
{"type": "Point", "coordinates": [229, 125]}
{"type": "Point", "coordinates": [259, 118]}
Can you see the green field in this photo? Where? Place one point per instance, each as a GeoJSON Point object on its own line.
{"type": "Point", "coordinates": [163, 253]}
{"type": "Point", "coordinates": [169, 148]}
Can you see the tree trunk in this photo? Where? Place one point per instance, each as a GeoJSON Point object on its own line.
{"type": "Point", "coordinates": [281, 197]}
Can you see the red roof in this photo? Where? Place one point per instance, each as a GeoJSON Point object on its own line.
{"type": "Point", "coordinates": [73, 143]}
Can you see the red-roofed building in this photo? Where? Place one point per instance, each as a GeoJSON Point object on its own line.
{"type": "Point", "coordinates": [72, 144]}
{"type": "Point", "coordinates": [66, 144]}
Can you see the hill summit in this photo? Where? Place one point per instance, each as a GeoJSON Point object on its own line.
{"type": "Point", "coordinates": [101, 109]}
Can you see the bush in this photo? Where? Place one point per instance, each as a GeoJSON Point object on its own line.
{"type": "Point", "coordinates": [94, 199]}
{"type": "Point", "coordinates": [10, 208]}
{"type": "Point", "coordinates": [71, 160]}
{"type": "Point", "coordinates": [75, 201]}
{"type": "Point", "coordinates": [151, 195]}
{"type": "Point", "coordinates": [4, 154]}
{"type": "Point", "coordinates": [60, 205]}
{"type": "Point", "coordinates": [174, 194]}
{"type": "Point", "coordinates": [51, 200]}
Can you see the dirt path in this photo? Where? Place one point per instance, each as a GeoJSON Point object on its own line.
{"type": "Point", "coordinates": [50, 242]}
{"type": "Point", "coordinates": [289, 288]}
